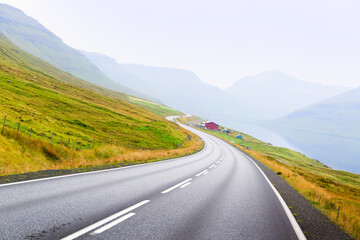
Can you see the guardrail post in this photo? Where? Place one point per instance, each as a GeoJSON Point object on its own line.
{"type": "Point", "coordinates": [30, 133]}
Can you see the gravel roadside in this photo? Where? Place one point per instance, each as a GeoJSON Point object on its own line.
{"type": "Point", "coordinates": [314, 224]}
{"type": "Point", "coordinates": [55, 173]}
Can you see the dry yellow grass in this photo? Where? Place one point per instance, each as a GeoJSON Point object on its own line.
{"type": "Point", "coordinates": [326, 199]}
{"type": "Point", "coordinates": [19, 154]}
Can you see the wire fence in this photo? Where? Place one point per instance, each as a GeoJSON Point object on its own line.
{"type": "Point", "coordinates": [188, 138]}
{"type": "Point", "coordinates": [70, 142]}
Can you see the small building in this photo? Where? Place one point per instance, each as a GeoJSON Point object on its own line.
{"type": "Point", "coordinates": [239, 137]}
{"type": "Point", "coordinates": [211, 126]}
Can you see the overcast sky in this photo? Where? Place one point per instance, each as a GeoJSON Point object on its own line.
{"type": "Point", "coordinates": [220, 41]}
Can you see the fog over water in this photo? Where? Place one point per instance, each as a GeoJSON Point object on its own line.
{"type": "Point", "coordinates": [339, 153]}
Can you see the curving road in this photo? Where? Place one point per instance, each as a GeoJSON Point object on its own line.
{"type": "Point", "coordinates": [217, 193]}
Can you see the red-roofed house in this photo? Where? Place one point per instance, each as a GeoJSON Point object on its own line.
{"type": "Point", "coordinates": [211, 126]}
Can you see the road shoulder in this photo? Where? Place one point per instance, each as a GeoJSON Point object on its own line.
{"type": "Point", "coordinates": [315, 225]}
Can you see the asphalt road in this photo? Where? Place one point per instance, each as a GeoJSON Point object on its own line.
{"type": "Point", "coordinates": [217, 193]}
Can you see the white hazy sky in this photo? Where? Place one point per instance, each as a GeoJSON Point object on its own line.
{"type": "Point", "coordinates": [220, 41]}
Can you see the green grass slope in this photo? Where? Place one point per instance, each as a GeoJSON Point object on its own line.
{"type": "Point", "coordinates": [14, 55]}
{"type": "Point", "coordinates": [31, 36]}
{"type": "Point", "coordinates": [40, 97]}
{"type": "Point", "coordinates": [156, 108]}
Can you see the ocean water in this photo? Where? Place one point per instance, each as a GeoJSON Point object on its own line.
{"type": "Point", "coordinates": [339, 153]}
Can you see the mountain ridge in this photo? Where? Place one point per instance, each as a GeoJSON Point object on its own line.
{"type": "Point", "coordinates": [275, 94]}
{"type": "Point", "coordinates": [336, 116]}
{"type": "Point", "coordinates": [177, 88]}
{"type": "Point", "coordinates": [31, 36]}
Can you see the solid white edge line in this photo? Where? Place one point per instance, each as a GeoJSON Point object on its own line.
{"type": "Point", "coordinates": [176, 186]}
{"type": "Point", "coordinates": [199, 174]}
{"type": "Point", "coordinates": [185, 185]}
{"type": "Point", "coordinates": [94, 172]}
{"type": "Point", "coordinates": [112, 224]}
{"type": "Point", "coordinates": [104, 221]}
{"type": "Point", "coordinates": [299, 233]}
{"type": "Point", "coordinates": [206, 173]}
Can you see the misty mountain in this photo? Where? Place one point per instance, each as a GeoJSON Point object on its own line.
{"type": "Point", "coordinates": [180, 89]}
{"type": "Point", "coordinates": [274, 94]}
{"type": "Point", "coordinates": [31, 36]}
{"type": "Point", "coordinates": [337, 116]}
{"type": "Point", "coordinates": [115, 71]}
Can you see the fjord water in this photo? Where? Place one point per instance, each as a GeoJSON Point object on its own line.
{"type": "Point", "coordinates": [337, 152]}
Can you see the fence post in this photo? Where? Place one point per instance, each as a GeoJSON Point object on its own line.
{"type": "Point", "coordinates": [52, 135]}
{"type": "Point", "coordinates": [338, 212]}
{"type": "Point", "coordinates": [18, 127]}
{"type": "Point", "coordinates": [4, 122]}
{"type": "Point", "coordinates": [75, 145]}
{"type": "Point", "coordinates": [30, 133]}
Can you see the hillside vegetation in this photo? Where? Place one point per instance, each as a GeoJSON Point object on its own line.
{"type": "Point", "coordinates": [41, 98]}
{"type": "Point", "coordinates": [29, 35]}
{"type": "Point", "coordinates": [321, 185]}
{"type": "Point", "coordinates": [156, 108]}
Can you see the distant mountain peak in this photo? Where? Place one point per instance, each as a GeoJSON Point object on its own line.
{"type": "Point", "coordinates": [274, 94]}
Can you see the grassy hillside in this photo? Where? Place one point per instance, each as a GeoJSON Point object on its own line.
{"type": "Point", "coordinates": [156, 108]}
{"type": "Point", "coordinates": [322, 186]}
{"type": "Point", "coordinates": [31, 36]}
{"type": "Point", "coordinates": [39, 97]}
